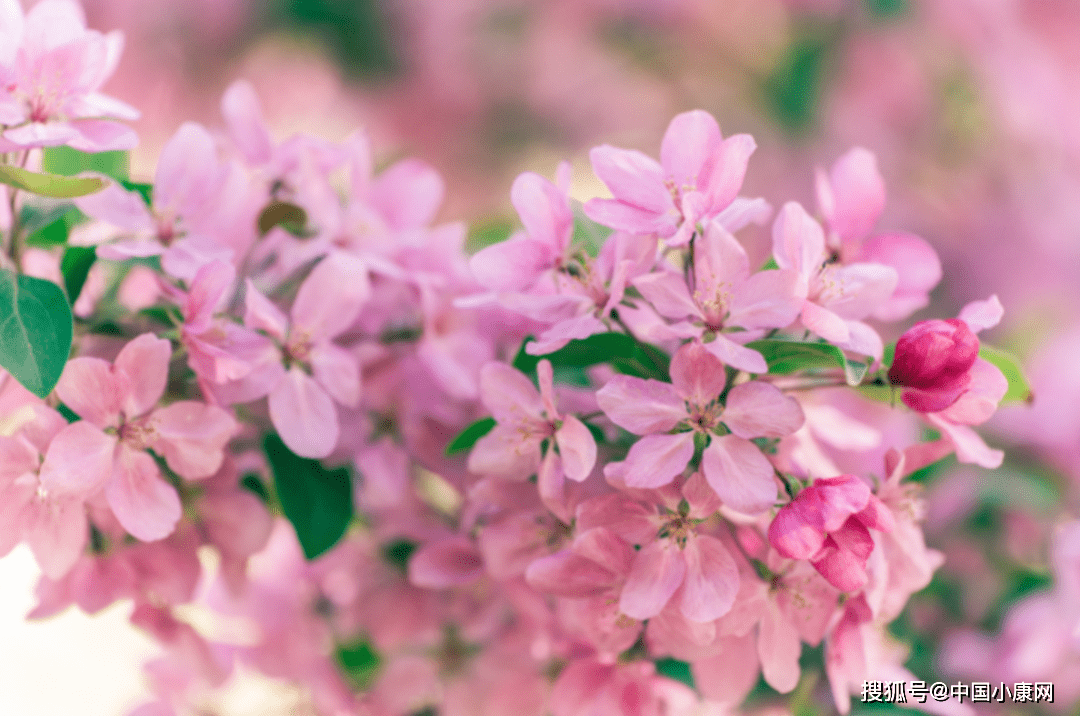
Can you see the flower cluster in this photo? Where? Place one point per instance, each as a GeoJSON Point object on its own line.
{"type": "Point", "coordinates": [673, 457]}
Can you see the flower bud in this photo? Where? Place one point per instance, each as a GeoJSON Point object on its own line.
{"type": "Point", "coordinates": [933, 361]}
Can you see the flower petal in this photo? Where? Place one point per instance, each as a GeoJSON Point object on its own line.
{"type": "Point", "coordinates": [761, 410]}
{"type": "Point", "coordinates": [655, 460]}
{"type": "Point", "coordinates": [657, 572]}
{"type": "Point", "coordinates": [641, 406]}
{"type": "Point", "coordinates": [740, 474]}
{"type": "Point", "coordinates": [144, 504]}
{"type": "Point", "coordinates": [192, 437]}
{"type": "Point", "coordinates": [304, 415]}
{"type": "Point", "coordinates": [145, 360]}
{"type": "Point", "coordinates": [712, 579]}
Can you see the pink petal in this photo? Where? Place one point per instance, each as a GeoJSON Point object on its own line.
{"type": "Point", "coordinates": [58, 535]}
{"type": "Point", "coordinates": [798, 241]}
{"type": "Point", "coordinates": [842, 559]}
{"type": "Point", "coordinates": [779, 649]}
{"type": "Point", "coordinates": [115, 205]}
{"type": "Point", "coordinates": [916, 264]}
{"type": "Point", "coordinates": [856, 290]}
{"type": "Point", "coordinates": [625, 517]}
{"type": "Point", "coordinates": [505, 452]}
{"type": "Point", "coordinates": [729, 676]}
{"type": "Point", "coordinates": [566, 574]}
{"type": "Point", "coordinates": [92, 390]}
{"type": "Point", "coordinates": [551, 486]}
{"type": "Point", "coordinates": [304, 415]}
{"type": "Point", "coordinates": [858, 195]}
{"type": "Point", "coordinates": [667, 293]}
{"type": "Point", "coordinates": [698, 376]}
{"type": "Point", "coordinates": [980, 315]}
{"type": "Point", "coordinates": [632, 177]}
{"type": "Point", "coordinates": [408, 194]}
{"type": "Point", "coordinates": [544, 211]}
{"type": "Point", "coordinates": [511, 265]}
{"type": "Point", "coordinates": [446, 563]}
{"type": "Point", "coordinates": [641, 406]}
{"type": "Point", "coordinates": [331, 297]}
{"type": "Point", "coordinates": [657, 572]}
{"type": "Point", "coordinates": [188, 174]}
{"type": "Point", "coordinates": [565, 331]}
{"type": "Point", "coordinates": [605, 547]}
{"type": "Point", "coordinates": [145, 360]}
{"type": "Point", "coordinates": [243, 116]}
{"type": "Point", "coordinates": [655, 460]}
{"type": "Point", "coordinates": [825, 323]}
{"type": "Point", "coordinates": [970, 448]}
{"type": "Point", "coordinates": [102, 135]}
{"type": "Point", "coordinates": [731, 353]}
{"type": "Point", "coordinates": [979, 402]}
{"type": "Point", "coordinates": [508, 394]}
{"type": "Point", "coordinates": [760, 410]}
{"type": "Point", "coordinates": [192, 437]}
{"type": "Point", "coordinates": [768, 299]}
{"type": "Point", "coordinates": [687, 150]}
{"type": "Point", "coordinates": [146, 505]}
{"type": "Point", "coordinates": [79, 460]}
{"type": "Point", "coordinates": [617, 215]}
{"type": "Point", "coordinates": [729, 169]}
{"type": "Point", "coordinates": [712, 579]}
{"type": "Point", "coordinates": [338, 371]}
{"type": "Point", "coordinates": [740, 474]}
{"type": "Point", "coordinates": [742, 212]}
{"type": "Point", "coordinates": [206, 293]}
{"type": "Point", "coordinates": [720, 262]}
{"type": "Point", "coordinates": [262, 315]}
{"type": "Point", "coordinates": [577, 448]}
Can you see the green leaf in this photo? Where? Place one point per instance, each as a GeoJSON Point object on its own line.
{"type": "Point", "coordinates": [359, 662]}
{"type": "Point", "coordinates": [624, 354]}
{"type": "Point", "coordinates": [675, 669]}
{"type": "Point", "coordinates": [786, 357]}
{"type": "Point", "coordinates": [468, 437]}
{"type": "Point", "coordinates": [888, 355]}
{"type": "Point", "coordinates": [75, 265]}
{"type": "Point", "coordinates": [48, 226]}
{"type": "Point", "coordinates": [794, 87]}
{"type": "Point", "coordinates": [146, 191]}
{"type": "Point", "coordinates": [288, 216]}
{"type": "Point", "coordinates": [317, 501]}
{"type": "Point", "coordinates": [1019, 389]}
{"type": "Point", "coordinates": [53, 185]}
{"type": "Point", "coordinates": [488, 232]}
{"type": "Point", "coordinates": [35, 331]}
{"type": "Point", "coordinates": [887, 8]}
{"type": "Point", "coordinates": [68, 161]}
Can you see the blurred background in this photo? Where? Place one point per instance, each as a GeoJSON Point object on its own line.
{"type": "Point", "coordinates": [971, 107]}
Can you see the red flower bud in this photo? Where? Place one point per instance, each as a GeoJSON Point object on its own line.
{"type": "Point", "coordinates": [933, 362]}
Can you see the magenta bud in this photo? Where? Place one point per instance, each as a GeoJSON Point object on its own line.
{"type": "Point", "coordinates": [933, 362]}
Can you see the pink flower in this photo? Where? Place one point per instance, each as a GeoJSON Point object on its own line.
{"type": "Point", "coordinates": [735, 467]}
{"type": "Point", "coordinates": [182, 225]}
{"type": "Point", "coordinates": [318, 371]}
{"type": "Point", "coordinates": [698, 176]}
{"type": "Point", "coordinates": [723, 296]}
{"type": "Point", "coordinates": [828, 523]}
{"type": "Point", "coordinates": [837, 297]}
{"type": "Point", "coordinates": [525, 419]}
{"type": "Point", "coordinates": [52, 68]}
{"type": "Point", "coordinates": [117, 404]}
{"type": "Point", "coordinates": [933, 363]}
{"type": "Point", "coordinates": [851, 198]}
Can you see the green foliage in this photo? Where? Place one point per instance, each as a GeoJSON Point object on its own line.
{"type": "Point", "coordinates": [587, 233]}
{"type": "Point", "coordinates": [359, 662]}
{"type": "Point", "coordinates": [625, 355]}
{"type": "Point", "coordinates": [317, 501]}
{"type": "Point", "coordinates": [793, 89]}
{"type": "Point", "coordinates": [485, 233]}
{"type": "Point", "coordinates": [887, 8]}
{"type": "Point", "coordinates": [398, 552]}
{"type": "Point", "coordinates": [356, 31]}
{"type": "Point", "coordinates": [49, 226]}
{"type": "Point", "coordinates": [785, 357]}
{"type": "Point", "coordinates": [255, 486]}
{"type": "Point", "coordinates": [1019, 388]}
{"type": "Point", "coordinates": [54, 185]}
{"type": "Point", "coordinates": [675, 669]}
{"type": "Point", "coordinates": [146, 191]}
{"type": "Point", "coordinates": [75, 265]}
{"type": "Point", "coordinates": [67, 161]}
{"type": "Point", "coordinates": [468, 437]}
{"type": "Point", "coordinates": [35, 331]}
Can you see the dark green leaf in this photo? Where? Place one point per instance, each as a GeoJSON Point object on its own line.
{"type": "Point", "coordinates": [53, 185]}
{"type": "Point", "coordinates": [794, 87]}
{"type": "Point", "coordinates": [675, 669]}
{"type": "Point", "coordinates": [68, 413]}
{"type": "Point", "coordinates": [49, 225]}
{"type": "Point", "coordinates": [67, 161]}
{"type": "Point", "coordinates": [35, 331]}
{"type": "Point", "coordinates": [624, 354]}
{"type": "Point", "coordinates": [398, 552]}
{"type": "Point", "coordinates": [1019, 389]}
{"type": "Point", "coordinates": [786, 357]}
{"type": "Point", "coordinates": [255, 486]}
{"type": "Point", "coordinates": [146, 191]}
{"type": "Point", "coordinates": [468, 437]}
{"type": "Point", "coordinates": [288, 216]}
{"type": "Point", "coordinates": [887, 8]}
{"type": "Point", "coordinates": [317, 501]}
{"type": "Point", "coordinates": [75, 266]}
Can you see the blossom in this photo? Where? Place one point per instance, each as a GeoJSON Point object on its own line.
{"type": "Point", "coordinates": [698, 176]}
{"type": "Point", "coordinates": [734, 466]}
{"type": "Point", "coordinates": [118, 401]}
{"type": "Point", "coordinates": [933, 363]}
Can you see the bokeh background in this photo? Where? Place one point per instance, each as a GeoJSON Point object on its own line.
{"type": "Point", "coordinates": [971, 107]}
